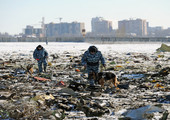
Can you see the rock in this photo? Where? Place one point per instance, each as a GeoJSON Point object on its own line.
{"type": "Point", "coordinates": [94, 88]}
{"type": "Point", "coordinates": [123, 86]}
{"type": "Point", "coordinates": [7, 98]}
{"type": "Point", "coordinates": [162, 73]}
{"type": "Point", "coordinates": [68, 91]}
{"type": "Point", "coordinates": [145, 112]}
{"type": "Point", "coordinates": [91, 112]}
{"type": "Point", "coordinates": [165, 116]}
{"type": "Point", "coordinates": [64, 107]}
{"type": "Point", "coordinates": [125, 118]}
{"type": "Point", "coordinates": [54, 56]}
{"type": "Point", "coordinates": [95, 94]}
{"type": "Point", "coordinates": [51, 117]}
{"type": "Point", "coordinates": [76, 86]}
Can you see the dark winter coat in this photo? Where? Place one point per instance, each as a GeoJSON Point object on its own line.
{"type": "Point", "coordinates": [40, 54]}
{"type": "Point", "coordinates": [92, 59]}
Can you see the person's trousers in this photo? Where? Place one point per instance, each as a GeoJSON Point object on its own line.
{"type": "Point", "coordinates": [92, 69]}
{"type": "Point", "coordinates": [40, 62]}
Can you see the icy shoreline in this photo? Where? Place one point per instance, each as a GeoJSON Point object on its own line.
{"type": "Point", "coordinates": [27, 46]}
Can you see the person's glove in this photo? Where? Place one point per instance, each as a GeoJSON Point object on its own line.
{"type": "Point", "coordinates": [37, 59]}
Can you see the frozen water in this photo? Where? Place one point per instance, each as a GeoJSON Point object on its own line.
{"type": "Point", "coordinates": [56, 47]}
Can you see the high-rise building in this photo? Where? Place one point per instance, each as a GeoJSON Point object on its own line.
{"type": "Point", "coordinates": [64, 29]}
{"type": "Point", "coordinates": [155, 31]}
{"type": "Point", "coordinates": [52, 29]}
{"type": "Point", "coordinates": [130, 27]}
{"type": "Point", "coordinates": [30, 31]}
{"type": "Point", "coordinates": [101, 26]}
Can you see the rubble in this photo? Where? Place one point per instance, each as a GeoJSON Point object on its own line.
{"type": "Point", "coordinates": [63, 92]}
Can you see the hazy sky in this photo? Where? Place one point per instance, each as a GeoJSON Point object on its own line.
{"type": "Point", "coordinates": [16, 14]}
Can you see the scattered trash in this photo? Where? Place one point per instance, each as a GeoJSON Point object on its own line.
{"type": "Point", "coordinates": [41, 79]}
{"type": "Point", "coordinates": [49, 64]}
{"type": "Point", "coordinates": [153, 81]}
{"type": "Point", "coordinates": [63, 91]}
{"type": "Point", "coordinates": [43, 97]}
{"type": "Point", "coordinates": [61, 83]}
{"type": "Point", "coordinates": [164, 72]}
{"type": "Point", "coordinates": [158, 86]}
{"type": "Point", "coordinates": [76, 86]}
{"type": "Point", "coordinates": [160, 56]}
{"type": "Point", "coordinates": [164, 99]}
{"type": "Point", "coordinates": [77, 70]}
{"type": "Point", "coordinates": [68, 91]}
{"type": "Point", "coordinates": [133, 76]}
{"type": "Point", "coordinates": [123, 86]}
{"type": "Point", "coordinates": [112, 63]}
{"type": "Point", "coordinates": [143, 113]}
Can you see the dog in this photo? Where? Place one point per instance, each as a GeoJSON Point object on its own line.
{"type": "Point", "coordinates": [29, 69]}
{"type": "Point", "coordinates": [103, 77]}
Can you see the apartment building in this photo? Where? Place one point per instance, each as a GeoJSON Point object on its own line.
{"type": "Point", "coordinates": [64, 29]}
{"type": "Point", "coordinates": [101, 26]}
{"type": "Point", "coordinates": [30, 31]}
{"type": "Point", "coordinates": [132, 27]}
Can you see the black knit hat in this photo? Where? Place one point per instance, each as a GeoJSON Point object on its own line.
{"type": "Point", "coordinates": [39, 46]}
{"type": "Point", "coordinates": [93, 49]}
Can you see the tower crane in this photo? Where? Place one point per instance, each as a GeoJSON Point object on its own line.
{"type": "Point", "coordinates": [43, 26]}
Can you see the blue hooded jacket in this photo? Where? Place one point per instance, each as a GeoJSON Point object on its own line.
{"type": "Point", "coordinates": [40, 54]}
{"type": "Point", "coordinates": [92, 59]}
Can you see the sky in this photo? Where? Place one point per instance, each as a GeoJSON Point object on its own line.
{"type": "Point", "coordinates": [16, 14]}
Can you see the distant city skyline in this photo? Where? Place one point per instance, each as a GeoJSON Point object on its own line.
{"type": "Point", "coordinates": [16, 14]}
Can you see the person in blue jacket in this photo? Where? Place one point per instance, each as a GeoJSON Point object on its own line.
{"type": "Point", "coordinates": [91, 59]}
{"type": "Point", "coordinates": [41, 55]}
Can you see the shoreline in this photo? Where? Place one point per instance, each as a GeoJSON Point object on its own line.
{"type": "Point", "coordinates": [101, 40]}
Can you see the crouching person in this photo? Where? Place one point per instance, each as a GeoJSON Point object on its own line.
{"type": "Point", "coordinates": [41, 55]}
{"type": "Point", "coordinates": [90, 61]}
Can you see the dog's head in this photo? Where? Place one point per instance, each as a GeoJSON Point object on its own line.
{"type": "Point", "coordinates": [100, 75]}
{"type": "Point", "coordinates": [29, 66]}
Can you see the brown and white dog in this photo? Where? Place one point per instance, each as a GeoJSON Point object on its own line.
{"type": "Point", "coordinates": [109, 77]}
{"type": "Point", "coordinates": [29, 69]}
{"type": "Point", "coordinates": [104, 77]}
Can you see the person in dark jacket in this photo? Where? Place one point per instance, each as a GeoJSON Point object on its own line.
{"type": "Point", "coordinates": [41, 55]}
{"type": "Point", "coordinates": [91, 59]}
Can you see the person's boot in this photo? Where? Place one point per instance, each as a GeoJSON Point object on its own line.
{"type": "Point", "coordinates": [45, 69]}
{"type": "Point", "coordinates": [92, 82]}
